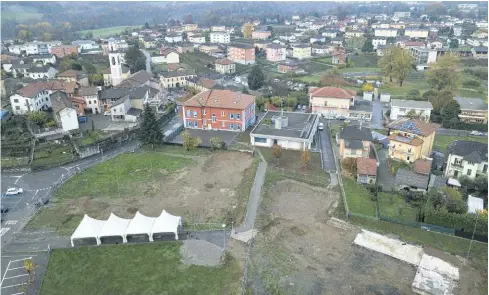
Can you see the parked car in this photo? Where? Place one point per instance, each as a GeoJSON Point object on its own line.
{"type": "Point", "coordinates": [14, 191]}
{"type": "Point", "coordinates": [41, 202]}
{"type": "Point", "coordinates": [304, 107]}
{"type": "Point", "coordinates": [476, 133]}
{"type": "Point", "coordinates": [341, 118]}
{"type": "Point", "coordinates": [82, 119]}
{"type": "Point", "coordinates": [5, 209]}
{"type": "Point", "coordinates": [107, 113]}
{"type": "Point", "coordinates": [320, 126]}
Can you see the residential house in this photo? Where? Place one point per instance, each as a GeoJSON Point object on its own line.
{"type": "Point", "coordinates": [175, 79]}
{"type": "Point", "coordinates": [457, 31]}
{"type": "Point", "coordinates": [44, 59]}
{"type": "Point", "coordinates": [173, 38]}
{"type": "Point", "coordinates": [423, 56]}
{"type": "Point", "coordinates": [168, 56]}
{"type": "Point", "coordinates": [317, 39]}
{"type": "Point", "coordinates": [185, 47]}
{"type": "Point", "coordinates": [337, 41]}
{"type": "Point", "coordinates": [317, 49]}
{"type": "Point", "coordinates": [410, 139]}
{"type": "Point", "coordinates": [35, 47]}
{"type": "Point", "coordinates": [301, 51]}
{"type": "Point", "coordinates": [208, 48]}
{"type": "Point", "coordinates": [85, 45]}
{"type": "Point", "coordinates": [241, 53]}
{"type": "Point", "coordinates": [148, 42]}
{"type": "Point", "coordinates": [466, 158]}
{"type": "Point", "coordinates": [90, 96]}
{"type": "Point", "coordinates": [411, 181]}
{"type": "Point", "coordinates": [218, 28]}
{"type": "Point", "coordinates": [125, 73]}
{"type": "Point", "coordinates": [472, 110]}
{"type": "Point", "coordinates": [333, 102]}
{"type": "Point", "coordinates": [19, 69]}
{"type": "Point", "coordinates": [290, 130]}
{"type": "Point", "coordinates": [330, 33]}
{"type": "Point", "coordinates": [338, 56]}
{"type": "Point", "coordinates": [197, 39]}
{"type": "Point", "coordinates": [476, 42]}
{"type": "Point", "coordinates": [63, 110]}
{"type": "Point", "coordinates": [286, 67]}
{"type": "Point", "coordinates": [219, 110]}
{"type": "Point", "coordinates": [190, 27]}
{"type": "Point", "coordinates": [355, 141]}
{"type": "Point", "coordinates": [262, 44]}
{"type": "Point", "coordinates": [260, 35]}
{"type": "Point", "coordinates": [402, 14]}
{"type": "Point", "coordinates": [366, 171]}
{"type": "Point", "coordinates": [414, 108]}
{"type": "Point", "coordinates": [416, 33]}
{"type": "Point", "coordinates": [225, 66]}
{"type": "Point", "coordinates": [220, 37]}
{"type": "Point", "coordinates": [35, 96]}
{"type": "Point", "coordinates": [376, 42]}
{"type": "Point", "coordinates": [479, 52]}
{"type": "Point", "coordinates": [354, 34]}
{"type": "Point", "coordinates": [408, 44]}
{"type": "Point", "coordinates": [434, 44]}
{"type": "Point", "coordinates": [112, 44]}
{"type": "Point", "coordinates": [276, 52]}
{"type": "Point", "coordinates": [74, 76]}
{"type": "Point", "coordinates": [201, 84]}
{"type": "Point", "coordinates": [385, 33]}
{"type": "Point", "coordinates": [64, 50]}
{"type": "Point", "coordinates": [42, 72]}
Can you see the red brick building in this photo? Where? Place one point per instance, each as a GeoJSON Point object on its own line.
{"type": "Point", "coordinates": [242, 53]}
{"type": "Point", "coordinates": [219, 110]}
{"type": "Point", "coordinates": [64, 50]}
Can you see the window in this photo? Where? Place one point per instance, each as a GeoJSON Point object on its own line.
{"type": "Point", "coordinates": [17, 107]}
{"type": "Point", "coordinates": [195, 113]}
{"type": "Point", "coordinates": [223, 113]}
{"type": "Point", "coordinates": [46, 99]}
{"type": "Point", "coordinates": [188, 113]}
{"type": "Point", "coordinates": [214, 118]}
{"type": "Point", "coordinates": [196, 124]}
{"type": "Point", "coordinates": [231, 116]}
{"type": "Point", "coordinates": [16, 100]}
{"type": "Point", "coordinates": [238, 116]}
{"type": "Point", "coordinates": [260, 139]}
{"type": "Point", "coordinates": [408, 158]}
{"type": "Point", "coordinates": [203, 112]}
{"type": "Point", "coordinates": [231, 126]}
{"type": "Point", "coordinates": [223, 124]}
{"type": "Point", "coordinates": [189, 123]}
{"type": "Point", "coordinates": [469, 172]}
{"type": "Point", "coordinates": [238, 126]}
{"type": "Point", "coordinates": [484, 169]}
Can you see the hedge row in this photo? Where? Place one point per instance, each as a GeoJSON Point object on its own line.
{"type": "Point", "coordinates": [461, 222]}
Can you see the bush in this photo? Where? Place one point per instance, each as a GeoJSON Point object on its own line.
{"type": "Point", "coordinates": [461, 222]}
{"type": "Point", "coordinates": [51, 123]}
{"type": "Point", "coordinates": [216, 143]}
{"type": "Point", "coordinates": [471, 83]}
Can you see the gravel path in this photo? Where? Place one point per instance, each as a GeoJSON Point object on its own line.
{"type": "Point", "coordinates": [199, 252]}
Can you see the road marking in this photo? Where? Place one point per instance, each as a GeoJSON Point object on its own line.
{"type": "Point", "coordinates": [4, 230]}
{"type": "Point", "coordinates": [34, 196]}
{"type": "Point", "coordinates": [8, 265]}
{"type": "Point", "coordinates": [14, 267]}
{"type": "Point", "coordinates": [16, 276]}
{"type": "Point", "coordinates": [12, 286]}
{"type": "Point", "coordinates": [11, 222]}
{"type": "Point", "coordinates": [21, 259]}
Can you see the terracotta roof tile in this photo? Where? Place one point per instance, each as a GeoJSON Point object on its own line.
{"type": "Point", "coordinates": [422, 166]}
{"type": "Point", "coordinates": [334, 92]}
{"type": "Point", "coordinates": [224, 61]}
{"type": "Point", "coordinates": [33, 89]}
{"type": "Point", "coordinates": [220, 99]}
{"type": "Point", "coordinates": [366, 166]}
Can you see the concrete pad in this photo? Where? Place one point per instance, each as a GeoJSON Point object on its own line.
{"type": "Point", "coordinates": [244, 236]}
{"type": "Point", "coordinates": [392, 247]}
{"type": "Point", "coordinates": [435, 277]}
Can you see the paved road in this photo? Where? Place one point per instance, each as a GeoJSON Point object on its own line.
{"type": "Point", "coordinates": [14, 276]}
{"type": "Point", "coordinates": [385, 179]}
{"type": "Point", "coordinates": [326, 152]}
{"type": "Point", "coordinates": [148, 60]}
{"type": "Point", "coordinates": [377, 108]}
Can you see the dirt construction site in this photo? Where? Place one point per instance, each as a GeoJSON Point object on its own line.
{"type": "Point", "coordinates": [298, 251]}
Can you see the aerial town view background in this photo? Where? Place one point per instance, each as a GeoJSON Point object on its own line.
{"type": "Point", "coordinates": [244, 148]}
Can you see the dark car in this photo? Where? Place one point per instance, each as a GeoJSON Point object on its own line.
{"type": "Point", "coordinates": [5, 209]}
{"type": "Point", "coordinates": [41, 202]}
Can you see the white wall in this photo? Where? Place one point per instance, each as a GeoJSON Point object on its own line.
{"type": "Point", "coordinates": [69, 119]}
{"type": "Point", "coordinates": [396, 112]}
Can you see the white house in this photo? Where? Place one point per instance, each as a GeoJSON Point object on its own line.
{"type": "Point", "coordinates": [85, 45]}
{"type": "Point", "coordinates": [401, 107]}
{"type": "Point", "coordinates": [44, 72]}
{"type": "Point", "coordinates": [90, 96]}
{"type": "Point", "coordinates": [330, 34]}
{"type": "Point", "coordinates": [44, 58]}
{"type": "Point", "coordinates": [386, 32]}
{"type": "Point", "coordinates": [167, 56]}
{"type": "Point", "coordinates": [34, 47]}
{"type": "Point", "coordinates": [197, 39]}
{"type": "Point", "coordinates": [173, 38]}
{"type": "Point", "coordinates": [468, 158]}
{"type": "Point", "coordinates": [220, 37]}
{"type": "Point", "coordinates": [63, 110]}
{"type": "Point", "coordinates": [317, 39]}
{"type": "Point", "coordinates": [416, 33]}
{"type": "Point", "coordinates": [34, 96]}
{"type": "Point", "coordinates": [376, 42]}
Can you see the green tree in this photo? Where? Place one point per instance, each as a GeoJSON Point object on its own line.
{"type": "Point", "coordinates": [256, 78]}
{"type": "Point", "coordinates": [216, 143]}
{"type": "Point", "coordinates": [25, 35]}
{"type": "Point", "coordinates": [368, 46]}
{"type": "Point", "coordinates": [450, 111]}
{"type": "Point", "coordinates": [190, 143]}
{"type": "Point", "coordinates": [76, 66]}
{"type": "Point", "coordinates": [367, 87]}
{"type": "Point", "coordinates": [291, 101]}
{"type": "Point", "coordinates": [413, 94]}
{"type": "Point", "coordinates": [454, 43]}
{"type": "Point", "coordinates": [403, 65]}
{"type": "Point", "coordinates": [388, 61]}
{"type": "Point", "coordinates": [245, 90]}
{"type": "Point", "coordinates": [480, 184]}
{"type": "Point", "coordinates": [37, 117]}
{"type": "Point", "coordinates": [260, 102]}
{"type": "Point", "coordinates": [150, 133]}
{"type": "Point", "coordinates": [412, 114]}
{"type": "Point", "coordinates": [135, 59]}
{"type": "Point", "coordinates": [96, 79]}
{"type": "Point", "coordinates": [277, 152]}
{"type": "Point", "coordinates": [146, 25]}
{"type": "Point", "coordinates": [444, 74]}
{"type": "Point", "coordinates": [439, 99]}
{"type": "Point", "coordinates": [276, 101]}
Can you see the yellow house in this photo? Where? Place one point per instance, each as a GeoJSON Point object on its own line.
{"type": "Point", "coordinates": [411, 140]}
{"type": "Point", "coordinates": [302, 51]}
{"type": "Point", "coordinates": [356, 142]}
{"type": "Point", "coordinates": [190, 27]}
{"type": "Point", "coordinates": [354, 33]}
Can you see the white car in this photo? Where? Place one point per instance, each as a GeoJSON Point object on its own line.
{"type": "Point", "coordinates": [321, 126]}
{"type": "Point", "coordinates": [14, 191]}
{"type": "Point", "coordinates": [476, 133]}
{"type": "Point", "coordinates": [107, 113]}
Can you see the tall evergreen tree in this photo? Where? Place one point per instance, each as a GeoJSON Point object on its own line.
{"type": "Point", "coordinates": [255, 78]}
{"type": "Point", "coordinates": [150, 133]}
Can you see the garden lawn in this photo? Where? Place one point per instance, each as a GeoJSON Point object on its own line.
{"type": "Point", "coordinates": [394, 206]}
{"type": "Point", "coordinates": [92, 137]}
{"type": "Point", "coordinates": [153, 268]}
{"type": "Point", "coordinates": [358, 69]}
{"type": "Point", "coordinates": [367, 61]}
{"type": "Point", "coordinates": [327, 60]}
{"type": "Point", "coordinates": [106, 32]}
{"type": "Point", "coordinates": [52, 154]}
{"type": "Point", "coordinates": [442, 141]}
{"type": "Point", "coordinates": [291, 161]}
{"type": "Point", "coordinates": [309, 78]}
{"type": "Point", "coordinates": [358, 198]}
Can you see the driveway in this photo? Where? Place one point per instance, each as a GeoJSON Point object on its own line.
{"type": "Point", "coordinates": [326, 150]}
{"type": "Point", "coordinates": [384, 179]}
{"type": "Point", "coordinates": [377, 108]}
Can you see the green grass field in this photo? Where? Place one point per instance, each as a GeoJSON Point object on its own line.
{"type": "Point", "coordinates": [359, 69]}
{"type": "Point", "coordinates": [327, 60]}
{"type": "Point", "coordinates": [46, 154]}
{"type": "Point", "coordinates": [394, 206]}
{"type": "Point", "coordinates": [358, 198]}
{"type": "Point", "coordinates": [92, 137]}
{"type": "Point", "coordinates": [309, 78]}
{"type": "Point", "coordinates": [442, 141]}
{"type": "Point", "coordinates": [154, 268]}
{"type": "Point", "coordinates": [107, 32]}
{"type": "Point", "coordinates": [367, 61]}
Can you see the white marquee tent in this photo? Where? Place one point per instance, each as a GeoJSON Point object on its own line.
{"type": "Point", "coordinates": [117, 226]}
{"type": "Point", "coordinates": [88, 228]}
{"type": "Point", "coordinates": [166, 223]}
{"type": "Point", "coordinates": [141, 224]}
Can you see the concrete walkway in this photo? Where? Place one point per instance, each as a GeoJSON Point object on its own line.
{"type": "Point", "coordinates": [254, 200]}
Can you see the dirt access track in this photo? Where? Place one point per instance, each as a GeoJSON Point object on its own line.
{"type": "Point", "coordinates": [298, 252]}
{"type": "Point", "coordinates": [203, 188]}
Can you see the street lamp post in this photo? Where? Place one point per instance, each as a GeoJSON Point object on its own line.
{"type": "Point", "coordinates": [224, 236]}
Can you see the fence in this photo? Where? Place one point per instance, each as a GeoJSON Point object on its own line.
{"type": "Point", "coordinates": [314, 179]}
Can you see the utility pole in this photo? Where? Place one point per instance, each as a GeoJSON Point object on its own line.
{"type": "Point", "coordinates": [473, 234]}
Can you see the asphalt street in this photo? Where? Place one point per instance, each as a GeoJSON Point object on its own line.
{"type": "Point", "coordinates": [14, 275]}
{"type": "Point", "coordinates": [326, 151]}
